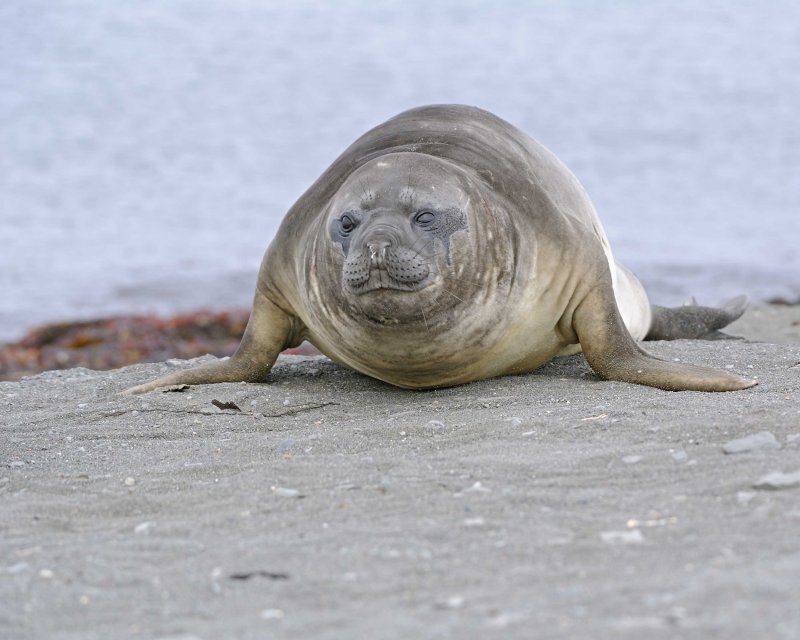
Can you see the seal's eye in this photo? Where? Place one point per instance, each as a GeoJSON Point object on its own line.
{"type": "Point", "coordinates": [424, 217]}
{"type": "Point", "coordinates": [346, 224]}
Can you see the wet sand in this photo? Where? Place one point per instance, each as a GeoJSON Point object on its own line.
{"type": "Point", "coordinates": [330, 505]}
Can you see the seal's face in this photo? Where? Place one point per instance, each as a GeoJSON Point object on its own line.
{"type": "Point", "coordinates": [392, 224]}
{"type": "Point", "coordinates": [394, 247]}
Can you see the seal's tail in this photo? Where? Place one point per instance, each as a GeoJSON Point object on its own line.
{"type": "Point", "coordinates": [694, 321]}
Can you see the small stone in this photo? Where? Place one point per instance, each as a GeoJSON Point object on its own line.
{"type": "Point", "coordinates": [143, 527]}
{"type": "Point", "coordinates": [792, 438]}
{"type": "Point", "coordinates": [632, 536]}
{"type": "Point", "coordinates": [435, 424]}
{"type": "Point", "coordinates": [744, 497]}
{"type": "Point", "coordinates": [451, 602]}
{"type": "Point", "coordinates": [515, 421]}
{"type": "Point", "coordinates": [680, 456]}
{"type": "Point", "coordinates": [129, 482]}
{"type": "Point", "coordinates": [272, 614]}
{"type": "Point", "coordinates": [778, 480]}
{"type": "Point", "coordinates": [631, 459]}
{"type": "Point", "coordinates": [46, 573]}
{"type": "Point", "coordinates": [16, 463]}
{"type": "Point", "coordinates": [753, 442]}
{"type": "Point", "coordinates": [284, 492]}
{"type": "Point", "coordinates": [474, 522]}
{"type": "Point", "coordinates": [477, 488]}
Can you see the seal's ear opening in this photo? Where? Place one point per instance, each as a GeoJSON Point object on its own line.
{"type": "Point", "coordinates": [342, 227]}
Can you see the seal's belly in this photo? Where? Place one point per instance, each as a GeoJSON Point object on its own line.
{"type": "Point", "coordinates": [413, 358]}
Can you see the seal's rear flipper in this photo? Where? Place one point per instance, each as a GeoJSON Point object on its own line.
{"type": "Point", "coordinates": [269, 331]}
{"type": "Point", "coordinates": [614, 355]}
{"type": "Point", "coordinates": [695, 321]}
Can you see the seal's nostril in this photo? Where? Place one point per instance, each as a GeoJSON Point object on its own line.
{"type": "Point", "coordinates": [377, 250]}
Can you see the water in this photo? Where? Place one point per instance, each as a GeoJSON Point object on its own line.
{"type": "Point", "coordinates": [148, 150]}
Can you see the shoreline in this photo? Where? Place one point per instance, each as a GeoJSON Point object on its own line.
{"type": "Point", "coordinates": [119, 341]}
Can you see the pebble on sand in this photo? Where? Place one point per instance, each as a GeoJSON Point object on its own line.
{"type": "Point", "coordinates": [744, 497]}
{"type": "Point", "coordinates": [680, 456]}
{"type": "Point", "coordinates": [451, 602]}
{"type": "Point", "coordinates": [143, 527]}
{"type": "Point", "coordinates": [474, 522]}
{"type": "Point", "coordinates": [272, 614]}
{"type": "Point", "coordinates": [285, 492]}
{"type": "Point", "coordinates": [632, 536]}
{"type": "Point", "coordinates": [753, 442]}
{"type": "Point", "coordinates": [778, 480]}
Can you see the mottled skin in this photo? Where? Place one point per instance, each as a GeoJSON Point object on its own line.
{"type": "Point", "coordinates": [446, 246]}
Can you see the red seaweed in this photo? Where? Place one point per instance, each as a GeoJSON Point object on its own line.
{"type": "Point", "coordinates": [110, 343]}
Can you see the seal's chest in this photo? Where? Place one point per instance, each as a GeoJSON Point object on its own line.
{"type": "Point", "coordinates": [419, 355]}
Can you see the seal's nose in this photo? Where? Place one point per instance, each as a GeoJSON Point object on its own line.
{"type": "Point", "coordinates": [377, 251]}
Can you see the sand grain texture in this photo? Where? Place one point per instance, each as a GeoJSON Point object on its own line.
{"type": "Point", "coordinates": [551, 505]}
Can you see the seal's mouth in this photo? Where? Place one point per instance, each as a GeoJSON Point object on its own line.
{"type": "Point", "coordinates": [379, 278]}
{"type": "Point", "coordinates": [385, 267]}
{"type": "Point", "coordinates": [390, 303]}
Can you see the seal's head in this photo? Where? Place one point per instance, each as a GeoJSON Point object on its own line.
{"type": "Point", "coordinates": [400, 226]}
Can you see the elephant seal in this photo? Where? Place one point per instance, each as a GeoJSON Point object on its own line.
{"type": "Point", "coordinates": [446, 246]}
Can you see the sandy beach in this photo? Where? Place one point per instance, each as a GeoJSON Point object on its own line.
{"type": "Point", "coordinates": [324, 504]}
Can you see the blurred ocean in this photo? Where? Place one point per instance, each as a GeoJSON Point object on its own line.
{"type": "Point", "coordinates": [149, 149]}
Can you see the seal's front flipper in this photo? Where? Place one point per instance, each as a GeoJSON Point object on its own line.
{"type": "Point", "coordinates": [614, 355]}
{"type": "Point", "coordinates": [269, 331]}
{"type": "Point", "coordinates": [694, 321]}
